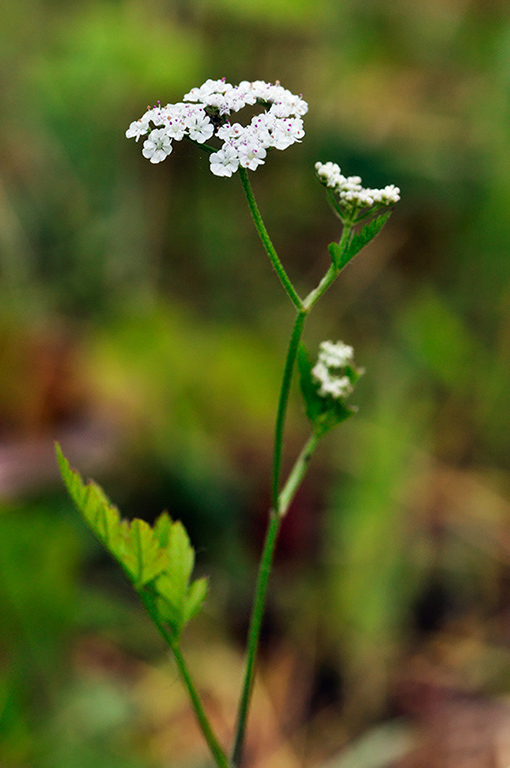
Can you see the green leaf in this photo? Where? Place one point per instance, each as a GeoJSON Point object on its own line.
{"type": "Point", "coordinates": [336, 252]}
{"type": "Point", "coordinates": [162, 528]}
{"type": "Point", "coordinates": [144, 558]}
{"type": "Point", "coordinates": [342, 256]}
{"type": "Point", "coordinates": [313, 402]}
{"type": "Point", "coordinates": [181, 556]}
{"type": "Point", "coordinates": [324, 412]}
{"type": "Point", "coordinates": [159, 560]}
{"type": "Point", "coordinates": [102, 516]}
{"type": "Point", "coordinates": [197, 594]}
{"type": "Point", "coordinates": [179, 601]}
{"type": "Point", "coordinates": [172, 586]}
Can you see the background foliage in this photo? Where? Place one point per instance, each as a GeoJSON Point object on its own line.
{"type": "Point", "coordinates": [141, 326]}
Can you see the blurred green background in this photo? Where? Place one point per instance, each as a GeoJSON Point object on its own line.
{"type": "Point", "coordinates": [141, 325]}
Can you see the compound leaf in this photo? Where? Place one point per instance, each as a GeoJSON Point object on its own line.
{"type": "Point", "coordinates": [159, 560]}
{"type": "Point", "coordinates": [90, 500]}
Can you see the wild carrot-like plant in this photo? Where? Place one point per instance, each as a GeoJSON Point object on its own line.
{"type": "Point", "coordinates": [159, 559]}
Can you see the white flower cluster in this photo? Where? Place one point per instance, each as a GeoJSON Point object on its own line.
{"type": "Point", "coordinates": [330, 369]}
{"type": "Point", "coordinates": [204, 114]}
{"type": "Point", "coordinates": [349, 191]}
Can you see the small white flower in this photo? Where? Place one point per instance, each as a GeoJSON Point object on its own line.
{"type": "Point", "coordinates": [203, 115]}
{"type": "Point", "coordinates": [200, 128]}
{"type": "Point", "coordinates": [350, 193]}
{"type": "Point", "coordinates": [225, 162]}
{"type": "Point", "coordinates": [333, 386]}
{"type": "Point", "coordinates": [175, 128]}
{"type": "Point", "coordinates": [136, 129]}
{"type": "Point", "coordinates": [158, 146]}
{"type": "Point", "coordinates": [334, 369]}
{"type": "Point", "coordinates": [251, 155]}
{"type": "Point", "coordinates": [335, 355]}
{"type": "Point", "coordinates": [207, 89]}
{"type": "Point", "coordinates": [227, 131]}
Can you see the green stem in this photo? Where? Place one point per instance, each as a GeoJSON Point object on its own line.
{"type": "Point", "coordinates": [217, 752]}
{"type": "Point", "coordinates": [266, 241]}
{"type": "Point", "coordinates": [331, 275]}
{"type": "Point", "coordinates": [266, 562]}
{"type": "Point", "coordinates": [203, 721]}
{"type": "Point", "coordinates": [280, 502]}
{"type": "Point", "coordinates": [297, 473]}
{"type": "Point", "coordinates": [294, 480]}
{"type": "Point", "coordinates": [292, 352]}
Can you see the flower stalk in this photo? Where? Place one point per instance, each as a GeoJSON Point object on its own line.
{"type": "Point", "coordinates": [266, 242]}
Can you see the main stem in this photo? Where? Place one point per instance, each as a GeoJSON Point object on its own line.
{"type": "Point", "coordinates": [216, 750]}
{"type": "Point", "coordinates": [295, 339]}
{"type": "Point", "coordinates": [258, 609]}
{"type": "Point", "coordinates": [266, 561]}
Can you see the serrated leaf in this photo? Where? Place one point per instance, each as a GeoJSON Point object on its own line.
{"type": "Point", "coordinates": [162, 528]}
{"type": "Point", "coordinates": [144, 558]}
{"type": "Point", "coordinates": [101, 515]}
{"type": "Point", "coordinates": [341, 257]}
{"type": "Point", "coordinates": [134, 544]}
{"type": "Point", "coordinates": [159, 560]}
{"type": "Point", "coordinates": [195, 599]}
{"type": "Point", "coordinates": [181, 556]}
{"type": "Point", "coordinates": [179, 602]}
{"type": "Point", "coordinates": [176, 608]}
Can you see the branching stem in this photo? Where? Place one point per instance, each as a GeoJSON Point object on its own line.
{"type": "Point", "coordinates": [280, 502]}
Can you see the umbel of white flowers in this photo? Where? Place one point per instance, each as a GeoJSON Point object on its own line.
{"type": "Point", "coordinates": [350, 194]}
{"type": "Point", "coordinates": [334, 369]}
{"type": "Point", "coordinates": [204, 114]}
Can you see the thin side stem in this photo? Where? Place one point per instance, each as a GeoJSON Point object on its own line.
{"type": "Point", "coordinates": [297, 473]}
{"type": "Point", "coordinates": [292, 352]}
{"type": "Point", "coordinates": [266, 241]}
{"type": "Point", "coordinates": [266, 560]}
{"type": "Point", "coordinates": [259, 605]}
{"type": "Point", "coordinates": [216, 750]}
{"type": "Point", "coordinates": [330, 276]}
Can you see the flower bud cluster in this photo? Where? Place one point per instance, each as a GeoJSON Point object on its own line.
{"type": "Point", "coordinates": [204, 114]}
{"type": "Point", "coordinates": [335, 370]}
{"type": "Point", "coordinates": [350, 193]}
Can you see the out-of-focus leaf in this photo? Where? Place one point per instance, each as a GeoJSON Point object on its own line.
{"type": "Point", "coordinates": [162, 528]}
{"type": "Point", "coordinates": [90, 500]}
{"type": "Point", "coordinates": [178, 600]}
{"type": "Point", "coordinates": [313, 403]}
{"type": "Point", "coordinates": [159, 558]}
{"type": "Point", "coordinates": [197, 594]}
{"type": "Point", "coordinates": [143, 557]}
